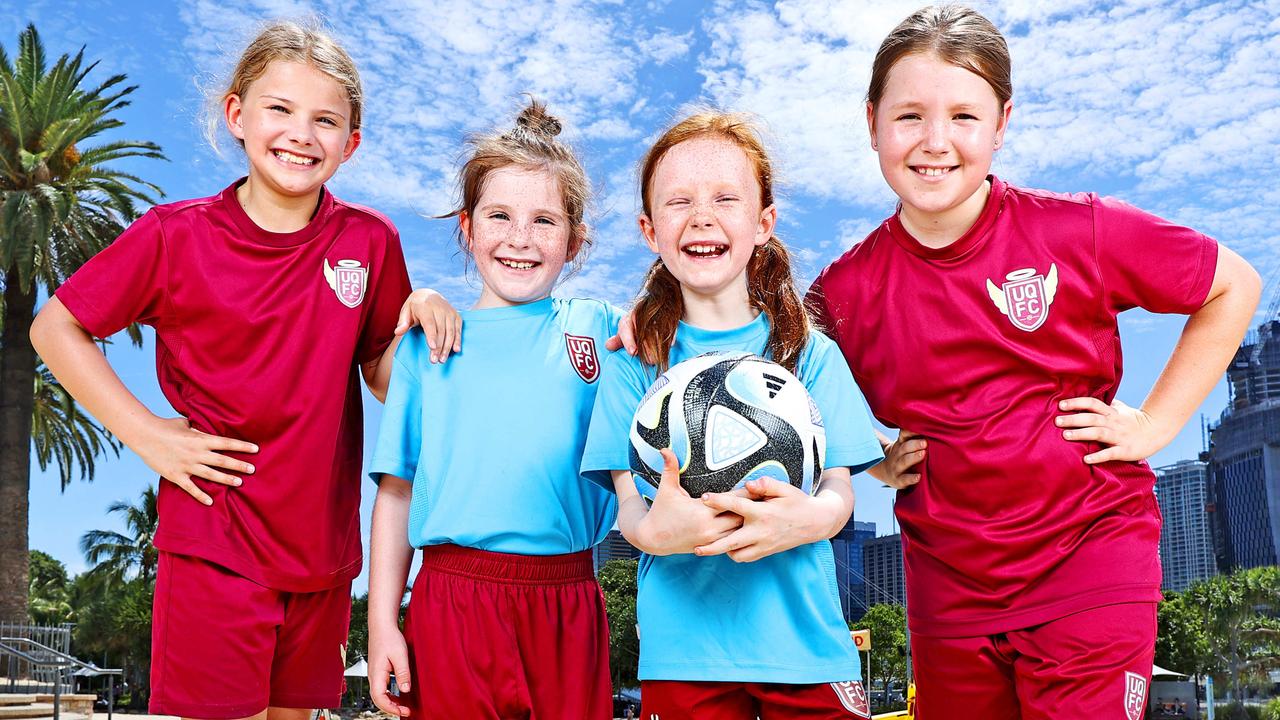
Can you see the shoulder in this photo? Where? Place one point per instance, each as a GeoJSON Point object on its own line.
{"type": "Point", "coordinates": [587, 314]}
{"type": "Point", "coordinates": [183, 209]}
{"type": "Point", "coordinates": [818, 352]}
{"type": "Point", "coordinates": [367, 217]}
{"type": "Point", "coordinates": [413, 349]}
{"type": "Point", "coordinates": [1022, 200]}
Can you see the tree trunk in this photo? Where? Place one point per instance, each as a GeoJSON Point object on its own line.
{"type": "Point", "coordinates": [17, 399]}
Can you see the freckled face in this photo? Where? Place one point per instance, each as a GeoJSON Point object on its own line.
{"type": "Point", "coordinates": [706, 219]}
{"type": "Point", "coordinates": [519, 236]}
{"type": "Point", "coordinates": [936, 129]}
{"type": "Point", "coordinates": [294, 121]}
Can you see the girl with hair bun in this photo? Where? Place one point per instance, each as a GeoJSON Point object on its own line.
{"type": "Point", "coordinates": [479, 458]}
{"type": "Point", "coordinates": [265, 298]}
{"type": "Point", "coordinates": [982, 317]}
{"type": "Point", "coordinates": [738, 611]}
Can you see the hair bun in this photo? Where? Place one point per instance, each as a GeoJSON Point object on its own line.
{"type": "Point", "coordinates": [537, 120]}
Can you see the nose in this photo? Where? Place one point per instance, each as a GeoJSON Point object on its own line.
{"type": "Point", "coordinates": [519, 235]}
{"type": "Point", "coordinates": [935, 138]}
{"type": "Point", "coordinates": [301, 132]}
{"type": "Point", "coordinates": [701, 215]}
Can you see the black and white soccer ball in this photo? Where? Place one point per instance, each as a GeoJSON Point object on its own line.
{"type": "Point", "coordinates": [729, 417]}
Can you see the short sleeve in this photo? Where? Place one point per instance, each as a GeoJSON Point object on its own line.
{"type": "Point", "coordinates": [1146, 261]}
{"type": "Point", "coordinates": [851, 436]}
{"type": "Point", "coordinates": [400, 435]}
{"type": "Point", "coordinates": [387, 295]}
{"type": "Point", "coordinates": [608, 445]}
{"type": "Point", "coordinates": [125, 283]}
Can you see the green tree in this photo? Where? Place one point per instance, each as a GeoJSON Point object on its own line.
{"type": "Point", "coordinates": [888, 626]}
{"type": "Point", "coordinates": [62, 433]}
{"type": "Point", "coordinates": [1181, 641]}
{"type": "Point", "coordinates": [49, 596]}
{"type": "Point", "coordinates": [61, 201]}
{"type": "Point", "coordinates": [117, 557]}
{"type": "Point", "coordinates": [1235, 609]}
{"type": "Point", "coordinates": [618, 580]}
{"type": "Point", "coordinates": [113, 628]}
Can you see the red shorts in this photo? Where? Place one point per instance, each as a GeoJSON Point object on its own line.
{"type": "Point", "coordinates": [493, 636]}
{"type": "Point", "coordinates": [223, 646]}
{"type": "Point", "coordinates": [681, 700]}
{"type": "Point", "coordinates": [1092, 664]}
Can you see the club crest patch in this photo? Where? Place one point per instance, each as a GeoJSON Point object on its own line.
{"type": "Point", "coordinates": [348, 281]}
{"type": "Point", "coordinates": [853, 698]}
{"type": "Point", "coordinates": [1026, 296]}
{"type": "Point", "coordinates": [1135, 695]}
{"type": "Point", "coordinates": [582, 355]}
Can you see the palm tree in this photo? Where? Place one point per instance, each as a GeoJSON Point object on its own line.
{"type": "Point", "coordinates": [60, 203]}
{"type": "Point", "coordinates": [117, 557]}
{"type": "Point", "coordinates": [61, 432]}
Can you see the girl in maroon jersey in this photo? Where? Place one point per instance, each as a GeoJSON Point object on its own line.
{"type": "Point", "coordinates": [980, 318]}
{"type": "Point", "coordinates": [265, 298]}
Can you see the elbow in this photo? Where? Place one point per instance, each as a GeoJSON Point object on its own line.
{"type": "Point", "coordinates": [41, 330]}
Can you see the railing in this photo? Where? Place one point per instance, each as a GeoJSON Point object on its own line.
{"type": "Point", "coordinates": [52, 667]}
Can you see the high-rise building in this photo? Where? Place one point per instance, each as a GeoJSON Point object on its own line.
{"type": "Point", "coordinates": [847, 545]}
{"type": "Point", "coordinates": [1245, 456]}
{"type": "Point", "coordinates": [614, 547]}
{"type": "Point", "coordinates": [1186, 539]}
{"type": "Point", "coordinates": [882, 568]}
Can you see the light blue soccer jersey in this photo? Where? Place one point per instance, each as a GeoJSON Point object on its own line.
{"type": "Point", "coordinates": [492, 439]}
{"type": "Point", "coordinates": [709, 618]}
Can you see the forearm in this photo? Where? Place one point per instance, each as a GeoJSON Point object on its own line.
{"type": "Point", "coordinates": [70, 353]}
{"type": "Point", "coordinates": [377, 373]}
{"type": "Point", "coordinates": [631, 509]}
{"type": "Point", "coordinates": [878, 470]}
{"type": "Point", "coordinates": [390, 553]}
{"type": "Point", "coordinates": [1208, 342]}
{"type": "Point", "coordinates": [836, 495]}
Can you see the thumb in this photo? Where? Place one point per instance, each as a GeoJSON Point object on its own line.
{"type": "Point", "coordinates": [767, 487]}
{"type": "Point", "coordinates": [400, 667]}
{"type": "Point", "coordinates": [670, 473]}
{"type": "Point", "coordinates": [406, 319]}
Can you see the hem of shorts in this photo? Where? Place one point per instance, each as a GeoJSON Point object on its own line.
{"type": "Point", "coordinates": [1030, 617]}
{"type": "Point", "coordinates": [784, 675]}
{"type": "Point", "coordinates": [311, 702]}
{"type": "Point", "coordinates": [224, 556]}
{"type": "Point", "coordinates": [206, 711]}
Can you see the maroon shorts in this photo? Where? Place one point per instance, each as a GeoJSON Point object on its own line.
{"type": "Point", "coordinates": [1092, 664]}
{"type": "Point", "coordinates": [223, 646]}
{"type": "Point", "coordinates": [494, 636]}
{"type": "Point", "coordinates": [683, 700]}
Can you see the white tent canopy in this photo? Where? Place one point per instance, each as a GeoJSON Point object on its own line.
{"type": "Point", "coordinates": [360, 669]}
{"type": "Point", "coordinates": [1157, 671]}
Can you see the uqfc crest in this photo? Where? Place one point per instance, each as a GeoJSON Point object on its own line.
{"type": "Point", "coordinates": [1026, 297]}
{"type": "Point", "coordinates": [348, 281]}
{"type": "Point", "coordinates": [1135, 695]}
{"type": "Point", "coordinates": [582, 355]}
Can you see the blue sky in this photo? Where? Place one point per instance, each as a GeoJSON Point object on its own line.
{"type": "Point", "coordinates": [1173, 106]}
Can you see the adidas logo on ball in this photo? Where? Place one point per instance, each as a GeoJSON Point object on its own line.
{"type": "Point", "coordinates": [729, 417]}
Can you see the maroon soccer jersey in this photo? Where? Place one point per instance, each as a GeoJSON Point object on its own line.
{"type": "Point", "coordinates": [258, 337]}
{"type": "Point", "coordinates": [973, 346]}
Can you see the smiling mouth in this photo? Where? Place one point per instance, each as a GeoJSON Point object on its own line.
{"type": "Point", "coordinates": [519, 264]}
{"type": "Point", "coordinates": [923, 171]}
{"type": "Point", "coordinates": [705, 250]}
{"type": "Point", "coordinates": [294, 159]}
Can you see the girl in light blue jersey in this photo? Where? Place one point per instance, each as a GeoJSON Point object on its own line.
{"type": "Point", "coordinates": [478, 459]}
{"type": "Point", "coordinates": [739, 614]}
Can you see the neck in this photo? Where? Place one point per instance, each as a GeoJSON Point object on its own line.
{"type": "Point", "coordinates": [274, 212]}
{"type": "Point", "coordinates": [724, 310]}
{"type": "Point", "coordinates": [940, 229]}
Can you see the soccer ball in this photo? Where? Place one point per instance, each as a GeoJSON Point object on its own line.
{"type": "Point", "coordinates": [729, 417]}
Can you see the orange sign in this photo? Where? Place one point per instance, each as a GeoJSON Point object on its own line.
{"type": "Point", "coordinates": [861, 639]}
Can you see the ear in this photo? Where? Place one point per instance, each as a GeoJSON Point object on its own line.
{"type": "Point", "coordinates": [647, 230]}
{"type": "Point", "coordinates": [233, 114]}
{"type": "Point", "coordinates": [576, 241]}
{"type": "Point", "coordinates": [871, 124]}
{"type": "Point", "coordinates": [768, 219]}
{"type": "Point", "coordinates": [353, 142]}
{"type": "Point", "coordinates": [1005, 112]}
{"type": "Point", "coordinates": [464, 224]}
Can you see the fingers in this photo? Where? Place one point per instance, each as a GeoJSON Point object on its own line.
{"type": "Point", "coordinates": [189, 487]}
{"type": "Point", "coordinates": [627, 333]}
{"type": "Point", "coordinates": [218, 442]}
{"type": "Point", "coordinates": [614, 343]}
{"type": "Point", "coordinates": [208, 473]}
{"type": "Point", "coordinates": [1104, 455]}
{"type": "Point", "coordinates": [901, 482]}
{"type": "Point", "coordinates": [726, 502]}
{"type": "Point", "coordinates": [767, 487]}
{"type": "Point", "coordinates": [1077, 420]}
{"type": "Point", "coordinates": [406, 321]}
{"type": "Point", "coordinates": [905, 461]}
{"type": "Point", "coordinates": [400, 666]}
{"type": "Point", "coordinates": [1103, 435]}
{"type": "Point", "coordinates": [384, 700]}
{"type": "Point", "coordinates": [215, 460]}
{"type": "Point", "coordinates": [1085, 404]}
